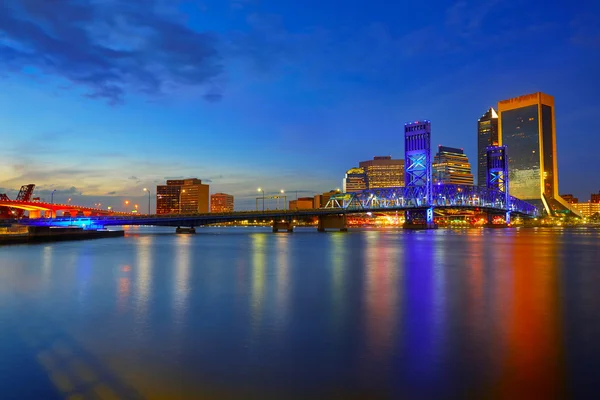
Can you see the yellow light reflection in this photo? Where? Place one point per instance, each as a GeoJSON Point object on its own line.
{"type": "Point", "coordinates": [258, 277]}
{"type": "Point", "coordinates": [381, 292]}
{"type": "Point", "coordinates": [282, 276]}
{"type": "Point", "coordinates": [181, 283]}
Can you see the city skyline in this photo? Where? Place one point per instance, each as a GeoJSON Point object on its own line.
{"type": "Point", "coordinates": [275, 125]}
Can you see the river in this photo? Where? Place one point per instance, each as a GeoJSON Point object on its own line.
{"type": "Point", "coordinates": [245, 313]}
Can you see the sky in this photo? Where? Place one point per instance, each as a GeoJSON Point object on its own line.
{"type": "Point", "coordinates": [101, 98]}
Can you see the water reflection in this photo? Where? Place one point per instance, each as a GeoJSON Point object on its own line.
{"type": "Point", "coordinates": [181, 281]}
{"type": "Point", "coordinates": [282, 279]}
{"type": "Point", "coordinates": [480, 314]}
{"type": "Point", "coordinates": [532, 361]}
{"type": "Point", "coordinates": [258, 249]}
{"type": "Point", "coordinates": [423, 331]}
{"type": "Point", "coordinates": [381, 293]}
{"type": "Point", "coordinates": [144, 273]}
{"type": "Point", "coordinates": [338, 263]}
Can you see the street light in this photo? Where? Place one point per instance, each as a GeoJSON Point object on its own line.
{"type": "Point", "coordinates": [284, 200]}
{"type": "Point", "coordinates": [52, 201]}
{"type": "Point", "coordinates": [263, 199]}
{"type": "Point", "coordinates": [136, 208]}
{"type": "Point", "coordinates": [126, 204]}
{"type": "Point", "coordinates": [147, 191]}
{"type": "Point", "coordinates": [69, 201]}
{"type": "Point", "coordinates": [180, 193]}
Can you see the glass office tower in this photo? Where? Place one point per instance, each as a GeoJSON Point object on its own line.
{"type": "Point", "coordinates": [487, 135]}
{"type": "Point", "coordinates": [527, 129]}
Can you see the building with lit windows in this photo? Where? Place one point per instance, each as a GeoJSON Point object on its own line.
{"type": "Point", "coordinates": [451, 165]}
{"type": "Point", "coordinates": [383, 172]}
{"type": "Point", "coordinates": [355, 180]}
{"type": "Point", "coordinates": [527, 128]}
{"type": "Point", "coordinates": [595, 198]}
{"type": "Point", "coordinates": [182, 196]}
{"type": "Point", "coordinates": [221, 203]}
{"type": "Point", "coordinates": [587, 209]}
{"type": "Point", "coordinates": [487, 135]}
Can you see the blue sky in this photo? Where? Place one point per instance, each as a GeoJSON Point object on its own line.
{"type": "Point", "coordinates": [102, 98]}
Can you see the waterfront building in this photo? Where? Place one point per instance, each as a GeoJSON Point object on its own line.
{"type": "Point", "coordinates": [451, 165]}
{"type": "Point", "coordinates": [383, 172]}
{"type": "Point", "coordinates": [527, 128]}
{"type": "Point", "coordinates": [587, 209]}
{"type": "Point", "coordinates": [569, 198]}
{"type": "Point", "coordinates": [595, 198]}
{"type": "Point", "coordinates": [221, 203]}
{"type": "Point", "coordinates": [182, 196]}
{"type": "Point", "coordinates": [303, 203]}
{"type": "Point", "coordinates": [487, 135]}
{"type": "Point", "coordinates": [355, 180]}
{"type": "Point", "coordinates": [320, 200]}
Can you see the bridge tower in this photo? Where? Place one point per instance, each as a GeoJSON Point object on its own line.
{"type": "Point", "coordinates": [497, 175]}
{"type": "Point", "coordinates": [417, 174]}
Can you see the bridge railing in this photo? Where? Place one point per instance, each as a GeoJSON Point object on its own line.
{"type": "Point", "coordinates": [443, 195]}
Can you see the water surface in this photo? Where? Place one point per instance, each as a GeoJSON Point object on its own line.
{"type": "Point", "coordinates": [244, 313]}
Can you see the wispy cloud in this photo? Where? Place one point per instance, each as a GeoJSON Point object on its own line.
{"type": "Point", "coordinates": [110, 47]}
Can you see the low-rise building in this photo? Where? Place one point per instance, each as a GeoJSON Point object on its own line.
{"type": "Point", "coordinates": [303, 203]}
{"type": "Point", "coordinates": [221, 203]}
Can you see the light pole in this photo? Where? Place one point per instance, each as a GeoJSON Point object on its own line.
{"type": "Point", "coordinates": [284, 199]}
{"type": "Point", "coordinates": [180, 193]}
{"type": "Point", "coordinates": [69, 201]}
{"type": "Point", "coordinates": [263, 199]}
{"type": "Point", "coordinates": [147, 191]}
{"type": "Point", "coordinates": [126, 205]}
{"type": "Point", "coordinates": [52, 202]}
{"type": "Point", "coordinates": [136, 208]}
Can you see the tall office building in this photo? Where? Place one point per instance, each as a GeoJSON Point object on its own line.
{"type": "Point", "coordinates": [383, 172]}
{"type": "Point", "coordinates": [451, 165]}
{"type": "Point", "coordinates": [355, 180]}
{"type": "Point", "coordinates": [182, 196]}
{"type": "Point", "coordinates": [528, 130]}
{"type": "Point", "coordinates": [221, 203]}
{"type": "Point", "coordinates": [487, 135]}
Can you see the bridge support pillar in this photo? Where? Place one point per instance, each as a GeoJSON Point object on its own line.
{"type": "Point", "coordinates": [49, 214]}
{"type": "Point", "coordinates": [332, 222]}
{"type": "Point", "coordinates": [419, 219]}
{"type": "Point", "coordinates": [35, 214]}
{"type": "Point", "coordinates": [188, 231]}
{"type": "Point", "coordinates": [282, 226]}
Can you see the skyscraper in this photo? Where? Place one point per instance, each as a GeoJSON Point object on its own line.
{"type": "Point", "coordinates": [355, 180]}
{"type": "Point", "coordinates": [451, 165]}
{"type": "Point", "coordinates": [487, 135]}
{"type": "Point", "coordinates": [528, 130]}
{"type": "Point", "coordinates": [221, 202]}
{"type": "Point", "coordinates": [182, 196]}
{"type": "Point", "coordinates": [383, 172]}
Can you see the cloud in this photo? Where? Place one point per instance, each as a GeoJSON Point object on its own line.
{"type": "Point", "coordinates": [111, 47]}
{"type": "Point", "coordinates": [111, 193]}
{"type": "Point", "coordinates": [133, 178]}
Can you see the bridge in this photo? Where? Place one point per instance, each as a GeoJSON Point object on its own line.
{"type": "Point", "coordinates": [445, 197]}
{"type": "Point", "coordinates": [419, 199]}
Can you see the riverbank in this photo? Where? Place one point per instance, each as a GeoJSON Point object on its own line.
{"type": "Point", "coordinates": [41, 234]}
